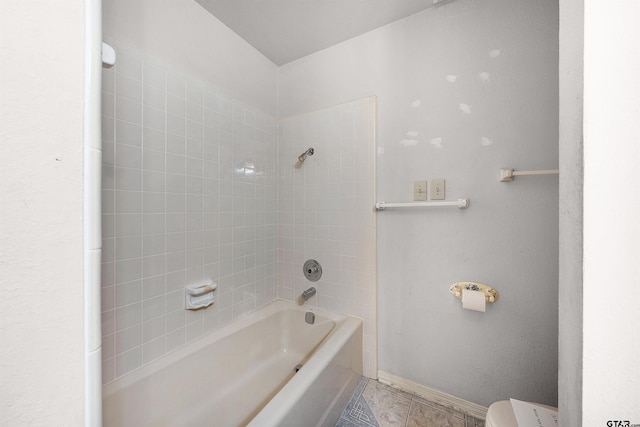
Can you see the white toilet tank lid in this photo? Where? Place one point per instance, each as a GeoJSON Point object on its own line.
{"type": "Point", "coordinates": [500, 414]}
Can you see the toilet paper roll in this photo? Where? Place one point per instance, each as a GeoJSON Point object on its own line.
{"type": "Point", "coordinates": [473, 300]}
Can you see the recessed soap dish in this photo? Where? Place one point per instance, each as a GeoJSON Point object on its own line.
{"type": "Point", "coordinates": [490, 294]}
{"type": "Point", "coordinates": [199, 295]}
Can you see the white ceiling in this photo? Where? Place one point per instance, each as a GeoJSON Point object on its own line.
{"type": "Point", "coordinates": [285, 30]}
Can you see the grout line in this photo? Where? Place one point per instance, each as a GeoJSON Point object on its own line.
{"type": "Point", "coordinates": [411, 402]}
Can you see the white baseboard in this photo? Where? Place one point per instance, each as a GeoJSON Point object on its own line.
{"type": "Point", "coordinates": [444, 399]}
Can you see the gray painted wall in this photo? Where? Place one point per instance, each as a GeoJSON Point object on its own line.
{"type": "Point", "coordinates": [463, 89]}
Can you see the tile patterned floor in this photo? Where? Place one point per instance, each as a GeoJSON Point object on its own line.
{"type": "Point", "coordinates": [377, 405]}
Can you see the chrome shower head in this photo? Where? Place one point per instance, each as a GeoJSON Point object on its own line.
{"type": "Point", "coordinates": [304, 155]}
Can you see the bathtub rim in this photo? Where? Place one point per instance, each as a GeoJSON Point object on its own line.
{"type": "Point", "coordinates": [274, 412]}
{"type": "Point", "coordinates": [206, 340]}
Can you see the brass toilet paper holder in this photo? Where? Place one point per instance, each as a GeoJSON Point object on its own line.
{"type": "Point", "coordinates": [490, 294]}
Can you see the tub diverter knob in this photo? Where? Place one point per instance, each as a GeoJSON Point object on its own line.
{"type": "Point", "coordinates": [312, 270]}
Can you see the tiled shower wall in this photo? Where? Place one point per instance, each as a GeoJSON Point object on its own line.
{"type": "Point", "coordinates": [325, 212]}
{"type": "Point", "coordinates": [189, 192]}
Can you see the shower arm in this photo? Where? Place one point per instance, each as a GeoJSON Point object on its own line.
{"type": "Point", "coordinates": [304, 155]}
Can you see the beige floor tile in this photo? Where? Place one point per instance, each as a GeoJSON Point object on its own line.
{"type": "Point", "coordinates": [427, 416]}
{"type": "Point", "coordinates": [388, 406]}
{"type": "Point", "coordinates": [438, 406]}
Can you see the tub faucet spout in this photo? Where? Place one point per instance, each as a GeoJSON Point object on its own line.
{"type": "Point", "coordinates": [307, 294]}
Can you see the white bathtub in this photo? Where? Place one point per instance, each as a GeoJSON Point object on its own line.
{"type": "Point", "coordinates": [244, 374]}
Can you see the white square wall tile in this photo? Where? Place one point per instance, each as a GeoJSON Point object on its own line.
{"type": "Point", "coordinates": [175, 202]}
{"type": "Point", "coordinates": [108, 152]}
{"type": "Point", "coordinates": [153, 223]}
{"type": "Point", "coordinates": [176, 125]}
{"type": "Point", "coordinates": [108, 177]}
{"type": "Point", "coordinates": [129, 338]}
{"type": "Point", "coordinates": [128, 133]}
{"type": "Point", "coordinates": [128, 179]}
{"type": "Point", "coordinates": [153, 181]}
{"type": "Point", "coordinates": [176, 85]}
{"type": "Point", "coordinates": [107, 298]}
{"type": "Point", "coordinates": [154, 349]}
{"type": "Point", "coordinates": [128, 64]}
{"type": "Point", "coordinates": [195, 114]}
{"type": "Point", "coordinates": [175, 306]}
{"type": "Point", "coordinates": [128, 361]}
{"type": "Point", "coordinates": [194, 258]}
{"type": "Point", "coordinates": [154, 75]}
{"type": "Point", "coordinates": [108, 346]}
{"type": "Point", "coordinates": [108, 322]}
{"type": "Point", "coordinates": [108, 104]}
{"type": "Point", "coordinates": [128, 202]}
{"type": "Point", "coordinates": [194, 166]}
{"type": "Point", "coordinates": [176, 222]}
{"type": "Point", "coordinates": [128, 111]}
{"type": "Point", "coordinates": [195, 274]}
{"type": "Point", "coordinates": [153, 329]}
{"type": "Point", "coordinates": [176, 106]}
{"type": "Point", "coordinates": [168, 142]}
{"type": "Point", "coordinates": [194, 239]}
{"type": "Point", "coordinates": [176, 144]}
{"type": "Point", "coordinates": [128, 293]}
{"type": "Point", "coordinates": [127, 225]}
{"type": "Point", "coordinates": [175, 163]}
{"type": "Point", "coordinates": [153, 286]}
{"type": "Point", "coordinates": [175, 261]}
{"type": "Point", "coordinates": [153, 265]}
{"type": "Point", "coordinates": [194, 203]}
{"type": "Point", "coordinates": [194, 330]}
{"type": "Point", "coordinates": [175, 283]}
{"type": "Point", "coordinates": [153, 118]}
{"type": "Point", "coordinates": [128, 156]}
{"type": "Point", "coordinates": [154, 96]}
{"type": "Point", "coordinates": [195, 185]}
{"type": "Point", "coordinates": [195, 149]}
{"type": "Point", "coordinates": [128, 316]}
{"type": "Point", "coordinates": [153, 308]}
{"type": "Point", "coordinates": [128, 270]}
{"type": "Point", "coordinates": [108, 80]}
{"type": "Point", "coordinates": [176, 183]}
{"type": "Point", "coordinates": [154, 160]}
{"type": "Point", "coordinates": [107, 274]}
{"type": "Point", "coordinates": [175, 320]}
{"type": "Point", "coordinates": [153, 202]}
{"type": "Point", "coordinates": [108, 370]}
{"type": "Point", "coordinates": [153, 244]}
{"type": "Point", "coordinates": [154, 139]}
{"type": "Point", "coordinates": [175, 338]}
{"type": "Point", "coordinates": [128, 87]}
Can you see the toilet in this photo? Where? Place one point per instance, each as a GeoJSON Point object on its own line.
{"type": "Point", "coordinates": [500, 414]}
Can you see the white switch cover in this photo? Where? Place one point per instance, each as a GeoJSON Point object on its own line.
{"type": "Point", "coordinates": [419, 190]}
{"type": "Point", "coordinates": [436, 189]}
